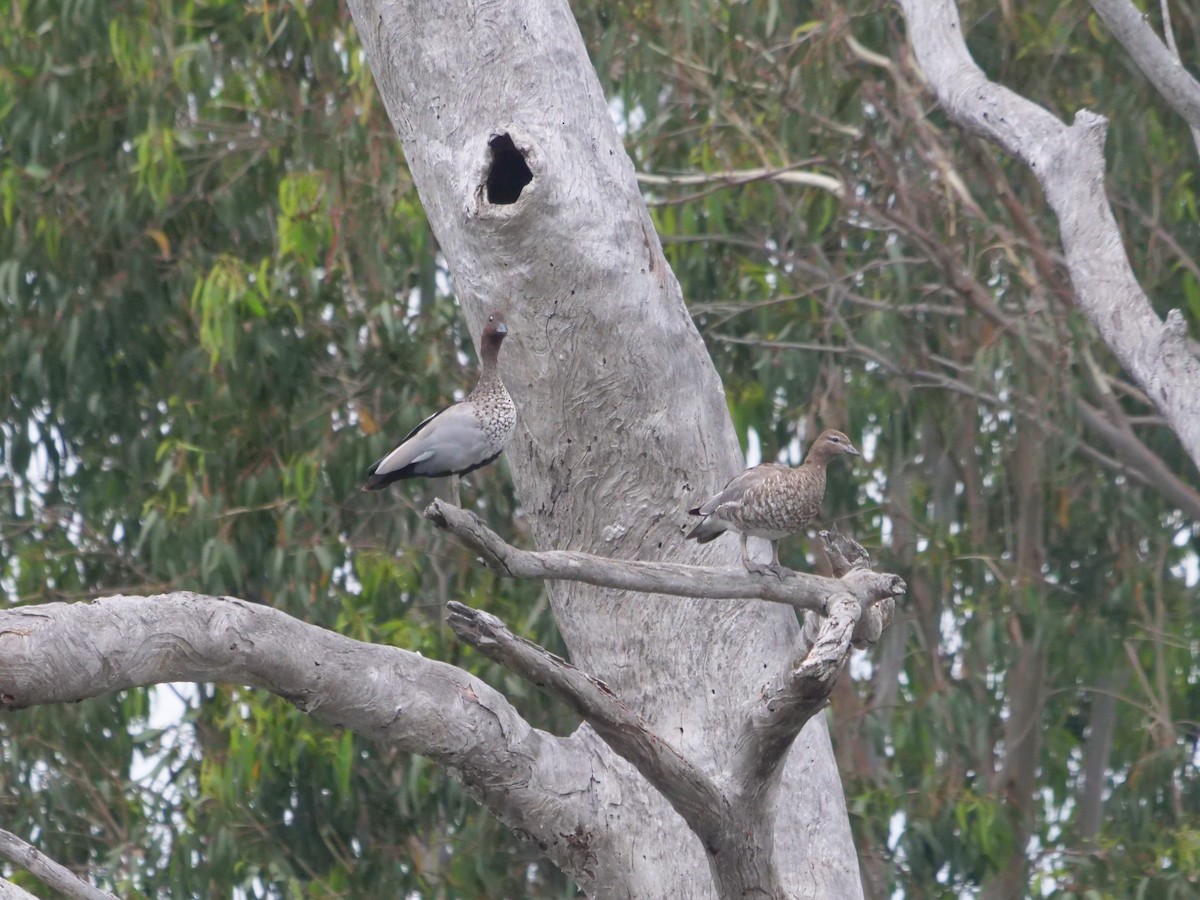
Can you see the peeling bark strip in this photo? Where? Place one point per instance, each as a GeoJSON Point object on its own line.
{"type": "Point", "coordinates": [1068, 161]}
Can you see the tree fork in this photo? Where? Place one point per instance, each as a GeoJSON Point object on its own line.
{"type": "Point", "coordinates": [733, 815]}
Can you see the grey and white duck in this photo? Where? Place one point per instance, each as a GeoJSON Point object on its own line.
{"type": "Point", "coordinates": [461, 437]}
{"type": "Point", "coordinates": [771, 501]}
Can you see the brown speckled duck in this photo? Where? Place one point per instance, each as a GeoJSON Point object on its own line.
{"type": "Point", "coordinates": [771, 501]}
{"type": "Point", "coordinates": [462, 437]}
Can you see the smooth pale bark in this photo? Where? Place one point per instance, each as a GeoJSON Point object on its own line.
{"type": "Point", "coordinates": [1159, 61]}
{"type": "Point", "coordinates": [622, 419]}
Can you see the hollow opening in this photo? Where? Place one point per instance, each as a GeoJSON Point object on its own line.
{"type": "Point", "coordinates": [508, 174]}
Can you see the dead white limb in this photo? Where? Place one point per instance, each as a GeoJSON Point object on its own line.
{"type": "Point", "coordinates": [52, 874]}
{"type": "Point", "coordinates": [800, 590]}
{"type": "Point", "coordinates": [1068, 161]}
{"type": "Point", "coordinates": [734, 177]}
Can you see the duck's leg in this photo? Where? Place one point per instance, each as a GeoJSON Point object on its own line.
{"type": "Point", "coordinates": [757, 568]}
{"type": "Point", "coordinates": [746, 560]}
{"type": "Point", "coordinates": [776, 569]}
{"type": "Point", "coordinates": [455, 490]}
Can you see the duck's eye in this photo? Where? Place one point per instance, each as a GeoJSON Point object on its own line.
{"type": "Point", "coordinates": [835, 439]}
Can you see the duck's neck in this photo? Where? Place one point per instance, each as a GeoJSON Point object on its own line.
{"type": "Point", "coordinates": [489, 370]}
{"type": "Point", "coordinates": [818, 458]}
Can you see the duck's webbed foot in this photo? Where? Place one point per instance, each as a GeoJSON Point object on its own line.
{"type": "Point", "coordinates": [757, 568]}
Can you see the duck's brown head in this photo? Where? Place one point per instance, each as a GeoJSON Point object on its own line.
{"type": "Point", "coordinates": [829, 444]}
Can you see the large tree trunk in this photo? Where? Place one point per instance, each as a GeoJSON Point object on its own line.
{"type": "Point", "coordinates": [623, 423]}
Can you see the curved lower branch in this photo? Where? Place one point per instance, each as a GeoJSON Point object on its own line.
{"type": "Point", "coordinates": [533, 781]}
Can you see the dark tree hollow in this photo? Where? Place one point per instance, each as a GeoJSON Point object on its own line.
{"type": "Point", "coordinates": [508, 174]}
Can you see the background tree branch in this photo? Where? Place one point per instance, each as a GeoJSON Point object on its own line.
{"type": "Point", "coordinates": [1069, 163]}
{"type": "Point", "coordinates": [1157, 60]}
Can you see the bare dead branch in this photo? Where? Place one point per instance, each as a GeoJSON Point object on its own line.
{"type": "Point", "coordinates": [733, 178]}
{"type": "Point", "coordinates": [689, 790]}
{"type": "Point", "coordinates": [386, 694]}
{"type": "Point", "coordinates": [52, 873]}
{"type": "Point", "coordinates": [1069, 163]}
{"type": "Point", "coordinates": [800, 590]}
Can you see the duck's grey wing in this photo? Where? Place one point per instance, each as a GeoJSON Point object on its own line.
{"type": "Point", "coordinates": [450, 442]}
